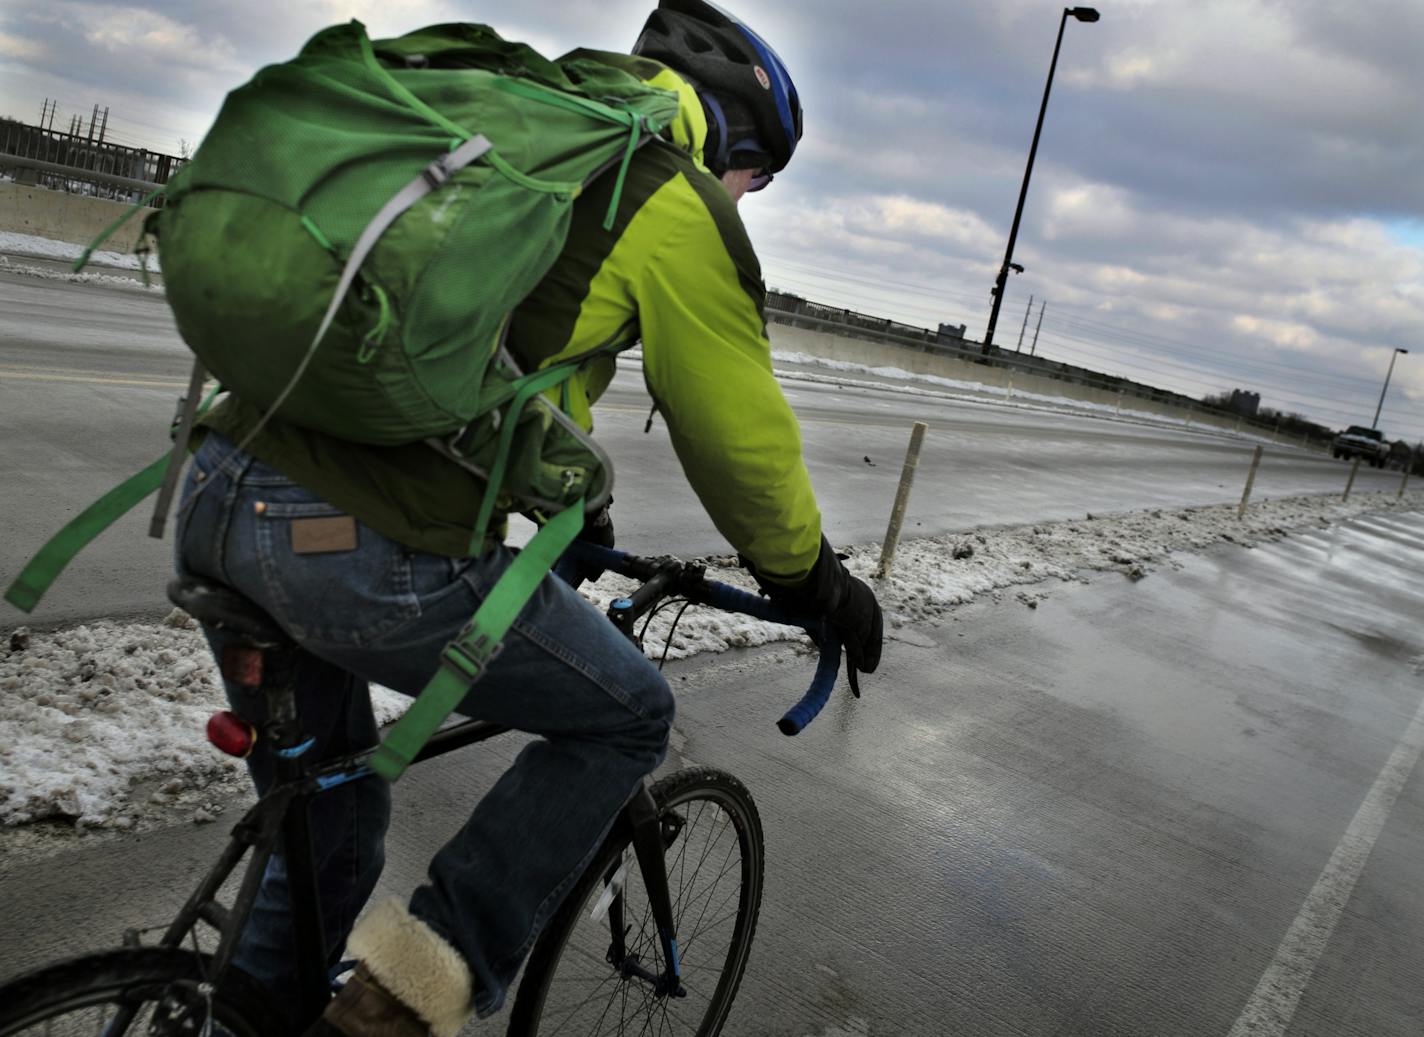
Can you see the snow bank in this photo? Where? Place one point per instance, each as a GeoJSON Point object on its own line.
{"type": "Point", "coordinates": [44, 248]}
{"type": "Point", "coordinates": [9, 266]}
{"type": "Point", "coordinates": [974, 392]}
{"type": "Point", "coordinates": [98, 721]}
{"type": "Point", "coordinates": [101, 720]}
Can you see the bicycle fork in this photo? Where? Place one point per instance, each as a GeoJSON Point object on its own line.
{"type": "Point", "coordinates": [652, 836]}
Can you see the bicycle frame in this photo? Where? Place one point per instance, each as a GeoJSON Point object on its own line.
{"type": "Point", "coordinates": [280, 818]}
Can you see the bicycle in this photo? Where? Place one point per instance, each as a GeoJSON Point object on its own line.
{"type": "Point", "coordinates": [626, 952]}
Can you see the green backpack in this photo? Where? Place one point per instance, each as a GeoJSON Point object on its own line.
{"type": "Point", "coordinates": [344, 251]}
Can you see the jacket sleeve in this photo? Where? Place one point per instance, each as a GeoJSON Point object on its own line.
{"type": "Point", "coordinates": [707, 362]}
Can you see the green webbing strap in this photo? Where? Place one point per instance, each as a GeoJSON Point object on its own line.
{"type": "Point", "coordinates": [634, 139]}
{"type": "Point", "coordinates": [104, 236]}
{"type": "Point", "coordinates": [466, 657]}
{"type": "Point", "coordinates": [528, 387]}
{"type": "Point", "coordinates": [46, 566]}
{"type": "Point", "coordinates": [562, 99]}
{"type": "Point", "coordinates": [368, 56]}
{"type": "Point", "coordinates": [637, 125]}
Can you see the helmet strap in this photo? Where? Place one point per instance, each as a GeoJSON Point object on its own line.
{"type": "Point", "coordinates": [717, 161]}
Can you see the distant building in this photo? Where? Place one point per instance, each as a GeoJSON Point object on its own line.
{"type": "Point", "coordinates": [950, 331]}
{"type": "Point", "coordinates": [1245, 403]}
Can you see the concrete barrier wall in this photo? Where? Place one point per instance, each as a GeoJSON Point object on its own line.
{"type": "Point", "coordinates": [76, 219]}
{"type": "Point", "coordinates": [70, 218]}
{"type": "Point", "coordinates": [789, 339]}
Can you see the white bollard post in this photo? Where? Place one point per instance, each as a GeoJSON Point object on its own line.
{"type": "Point", "coordinates": [1119, 403]}
{"type": "Point", "coordinates": [902, 500]}
{"type": "Point", "coordinates": [1250, 481]}
{"type": "Point", "coordinates": [1351, 481]}
{"type": "Point", "coordinates": [1402, 484]}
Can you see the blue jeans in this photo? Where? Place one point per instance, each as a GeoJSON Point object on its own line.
{"type": "Point", "coordinates": [382, 613]}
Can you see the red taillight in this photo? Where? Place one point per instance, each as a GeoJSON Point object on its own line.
{"type": "Point", "coordinates": [242, 664]}
{"type": "Point", "coordinates": [231, 734]}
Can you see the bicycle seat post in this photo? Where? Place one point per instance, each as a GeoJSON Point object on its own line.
{"type": "Point", "coordinates": [259, 654]}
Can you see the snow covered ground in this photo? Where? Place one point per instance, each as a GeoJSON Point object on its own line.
{"type": "Point", "coordinates": [44, 248]}
{"type": "Point", "coordinates": [101, 725]}
{"type": "Point", "coordinates": [911, 384]}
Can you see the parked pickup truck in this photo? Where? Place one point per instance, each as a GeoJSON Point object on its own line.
{"type": "Point", "coordinates": [1365, 443]}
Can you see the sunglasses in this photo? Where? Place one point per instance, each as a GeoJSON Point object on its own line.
{"type": "Point", "coordinates": [759, 181]}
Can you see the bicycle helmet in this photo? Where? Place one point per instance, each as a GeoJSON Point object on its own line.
{"type": "Point", "coordinates": [753, 111]}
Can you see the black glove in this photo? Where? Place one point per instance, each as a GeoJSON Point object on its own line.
{"type": "Point", "coordinates": [846, 601]}
{"type": "Point", "coordinates": [598, 530]}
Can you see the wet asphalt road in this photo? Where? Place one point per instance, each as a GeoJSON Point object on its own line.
{"type": "Point", "coordinates": [89, 376]}
{"type": "Point", "coordinates": [1165, 807]}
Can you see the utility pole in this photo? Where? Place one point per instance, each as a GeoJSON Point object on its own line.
{"type": "Point", "coordinates": [1041, 307]}
{"type": "Point", "coordinates": [103, 126]}
{"type": "Point", "coordinates": [1027, 310]}
{"type": "Point", "coordinates": [92, 120]}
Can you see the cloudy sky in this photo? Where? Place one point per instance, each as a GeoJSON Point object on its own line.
{"type": "Point", "coordinates": [1228, 193]}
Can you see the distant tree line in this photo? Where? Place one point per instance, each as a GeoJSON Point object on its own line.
{"type": "Point", "coordinates": [1401, 454]}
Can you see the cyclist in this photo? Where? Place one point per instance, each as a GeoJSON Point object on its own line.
{"type": "Point", "coordinates": [361, 554]}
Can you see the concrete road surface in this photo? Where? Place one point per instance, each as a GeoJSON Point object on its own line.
{"type": "Point", "coordinates": [89, 376]}
{"type": "Point", "coordinates": [1182, 806]}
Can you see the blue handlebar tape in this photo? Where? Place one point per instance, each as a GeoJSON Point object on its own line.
{"type": "Point", "coordinates": [819, 693]}
{"type": "Point", "coordinates": [731, 599]}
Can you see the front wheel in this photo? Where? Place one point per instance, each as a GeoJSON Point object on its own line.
{"type": "Point", "coordinates": [136, 991]}
{"type": "Point", "coordinates": [579, 983]}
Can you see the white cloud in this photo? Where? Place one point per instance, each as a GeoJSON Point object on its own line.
{"type": "Point", "coordinates": [16, 48]}
{"type": "Point", "coordinates": [1285, 334]}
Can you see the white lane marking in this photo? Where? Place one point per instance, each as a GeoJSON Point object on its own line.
{"type": "Point", "coordinates": [1273, 1004]}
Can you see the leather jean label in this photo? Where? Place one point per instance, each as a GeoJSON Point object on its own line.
{"type": "Point", "coordinates": [311, 536]}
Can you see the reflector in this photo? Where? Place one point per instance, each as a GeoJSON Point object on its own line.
{"type": "Point", "coordinates": [231, 734]}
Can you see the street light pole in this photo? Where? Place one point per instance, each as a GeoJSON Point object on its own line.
{"type": "Point", "coordinates": [1392, 356]}
{"type": "Point", "coordinates": [1083, 14]}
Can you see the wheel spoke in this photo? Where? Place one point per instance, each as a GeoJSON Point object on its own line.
{"type": "Point", "coordinates": [715, 852]}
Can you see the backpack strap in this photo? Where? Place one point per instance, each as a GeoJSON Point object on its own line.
{"type": "Point", "coordinates": [44, 568]}
{"type": "Point", "coordinates": [83, 259]}
{"type": "Point", "coordinates": [465, 658]}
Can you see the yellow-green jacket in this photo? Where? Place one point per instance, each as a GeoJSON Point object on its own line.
{"type": "Point", "coordinates": [678, 271]}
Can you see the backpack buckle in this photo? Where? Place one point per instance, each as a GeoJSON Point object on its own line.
{"type": "Point", "coordinates": [437, 172]}
{"type": "Point", "coordinates": [454, 443]}
{"type": "Point", "coordinates": [468, 656]}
